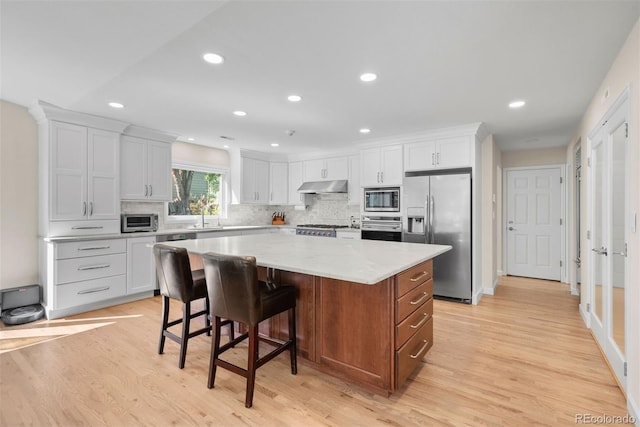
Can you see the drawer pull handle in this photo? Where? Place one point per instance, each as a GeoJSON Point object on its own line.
{"type": "Point", "coordinates": [86, 227]}
{"type": "Point", "coordinates": [419, 276]}
{"type": "Point", "coordinates": [93, 248]}
{"type": "Point", "coordinates": [93, 291]}
{"type": "Point", "coordinates": [419, 300]}
{"type": "Point", "coordinates": [94, 267]}
{"type": "Point", "coordinates": [424, 346]}
{"type": "Point", "coordinates": [421, 322]}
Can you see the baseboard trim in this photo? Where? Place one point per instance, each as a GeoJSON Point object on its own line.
{"type": "Point", "coordinates": [55, 314]}
{"type": "Point", "coordinates": [634, 409]}
{"type": "Point", "coordinates": [500, 273]}
{"type": "Point", "coordinates": [475, 299]}
{"type": "Point", "coordinates": [490, 290]}
{"type": "Point", "coordinates": [585, 316]}
{"type": "Point", "coordinates": [574, 291]}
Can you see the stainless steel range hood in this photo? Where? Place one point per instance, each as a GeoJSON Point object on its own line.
{"type": "Point", "coordinates": [313, 187]}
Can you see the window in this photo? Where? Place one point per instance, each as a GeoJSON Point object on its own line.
{"type": "Point", "coordinates": [197, 189]}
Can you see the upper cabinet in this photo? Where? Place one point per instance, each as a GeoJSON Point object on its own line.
{"type": "Point", "coordinates": [79, 172]}
{"type": "Point", "coordinates": [278, 183]}
{"type": "Point", "coordinates": [255, 181]}
{"type": "Point", "coordinates": [295, 181]}
{"type": "Point", "coordinates": [145, 173]}
{"type": "Point", "coordinates": [329, 169]}
{"type": "Point", "coordinates": [443, 153]}
{"type": "Point", "coordinates": [381, 166]}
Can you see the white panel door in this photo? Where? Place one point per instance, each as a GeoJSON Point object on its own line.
{"type": "Point", "coordinates": [278, 183]}
{"type": "Point", "coordinates": [141, 275]}
{"type": "Point", "coordinates": [454, 152]}
{"type": "Point", "coordinates": [103, 170]}
{"type": "Point", "coordinates": [391, 165]}
{"type": "Point", "coordinates": [533, 223]}
{"type": "Point", "coordinates": [262, 181]}
{"type": "Point", "coordinates": [420, 156]}
{"type": "Point", "coordinates": [337, 168]}
{"type": "Point", "coordinates": [133, 172]}
{"type": "Point", "coordinates": [68, 172]}
{"type": "Point", "coordinates": [159, 170]}
{"type": "Point", "coordinates": [370, 167]}
{"type": "Point", "coordinates": [295, 181]}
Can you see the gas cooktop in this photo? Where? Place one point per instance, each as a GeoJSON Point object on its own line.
{"type": "Point", "coordinates": [321, 226]}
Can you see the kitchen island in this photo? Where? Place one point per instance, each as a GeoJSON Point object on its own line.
{"type": "Point", "coordinates": [364, 308]}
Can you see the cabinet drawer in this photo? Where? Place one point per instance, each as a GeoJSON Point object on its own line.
{"type": "Point", "coordinates": [83, 228]}
{"type": "Point", "coordinates": [90, 248]}
{"type": "Point", "coordinates": [413, 299]}
{"type": "Point", "coordinates": [413, 277]}
{"type": "Point", "coordinates": [79, 269]}
{"type": "Point", "coordinates": [415, 321]}
{"type": "Point", "coordinates": [410, 354]}
{"type": "Point", "coordinates": [86, 292]}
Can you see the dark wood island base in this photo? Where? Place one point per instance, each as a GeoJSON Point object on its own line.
{"type": "Point", "coordinates": [371, 335]}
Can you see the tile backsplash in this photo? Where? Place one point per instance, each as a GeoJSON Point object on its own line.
{"type": "Point", "coordinates": [322, 209]}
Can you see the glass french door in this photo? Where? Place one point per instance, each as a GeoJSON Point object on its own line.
{"type": "Point", "coordinates": [608, 219]}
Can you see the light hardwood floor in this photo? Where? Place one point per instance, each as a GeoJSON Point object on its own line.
{"type": "Point", "coordinates": [522, 357]}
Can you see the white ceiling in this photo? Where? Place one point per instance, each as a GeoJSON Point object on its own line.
{"type": "Point", "coordinates": [439, 64]}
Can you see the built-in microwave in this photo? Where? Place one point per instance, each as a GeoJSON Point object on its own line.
{"type": "Point", "coordinates": [382, 199]}
{"type": "Point", "coordinates": [130, 223]}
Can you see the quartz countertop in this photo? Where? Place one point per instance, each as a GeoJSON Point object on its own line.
{"type": "Point", "coordinates": [362, 261]}
{"type": "Point", "coordinates": [161, 232]}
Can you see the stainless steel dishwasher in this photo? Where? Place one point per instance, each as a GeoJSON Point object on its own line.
{"type": "Point", "coordinates": [172, 238]}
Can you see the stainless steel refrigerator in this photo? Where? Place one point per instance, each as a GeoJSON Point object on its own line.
{"type": "Point", "coordinates": [437, 209]}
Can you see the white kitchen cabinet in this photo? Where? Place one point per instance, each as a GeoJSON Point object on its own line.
{"type": "Point", "coordinates": [443, 153]}
{"type": "Point", "coordinates": [84, 170]}
{"type": "Point", "coordinates": [145, 169]}
{"type": "Point", "coordinates": [348, 235]}
{"type": "Point", "coordinates": [141, 274]}
{"type": "Point", "coordinates": [255, 181]}
{"type": "Point", "coordinates": [381, 166]}
{"type": "Point", "coordinates": [329, 169]}
{"type": "Point", "coordinates": [295, 181]}
{"type": "Point", "coordinates": [278, 183]}
{"type": "Point", "coordinates": [355, 190]}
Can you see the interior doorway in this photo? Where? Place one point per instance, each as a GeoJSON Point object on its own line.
{"type": "Point", "coordinates": [534, 238]}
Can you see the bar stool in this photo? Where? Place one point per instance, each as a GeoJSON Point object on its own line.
{"type": "Point", "coordinates": [236, 294]}
{"type": "Point", "coordinates": [178, 282]}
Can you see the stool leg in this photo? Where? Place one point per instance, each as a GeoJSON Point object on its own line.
{"type": "Point", "coordinates": [251, 368]}
{"type": "Point", "coordinates": [293, 350]}
{"type": "Point", "coordinates": [215, 351]}
{"type": "Point", "coordinates": [232, 332]}
{"type": "Point", "coordinates": [186, 320]}
{"type": "Point", "coordinates": [165, 320]}
{"type": "Point", "coordinates": [207, 318]}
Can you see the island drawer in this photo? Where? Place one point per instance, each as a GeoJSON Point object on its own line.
{"type": "Point", "coordinates": [413, 299]}
{"type": "Point", "coordinates": [413, 277]}
{"type": "Point", "coordinates": [90, 248]}
{"type": "Point", "coordinates": [89, 291]}
{"type": "Point", "coordinates": [410, 325]}
{"type": "Point", "coordinates": [409, 355]}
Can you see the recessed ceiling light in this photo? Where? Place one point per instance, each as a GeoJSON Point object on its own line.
{"type": "Point", "coordinates": [368, 77]}
{"type": "Point", "coordinates": [213, 58]}
{"type": "Point", "coordinates": [275, 144]}
{"type": "Point", "coordinates": [365, 130]}
{"type": "Point", "coordinates": [240, 113]}
{"type": "Point", "coordinates": [190, 139]}
{"type": "Point", "coordinates": [516, 104]}
{"type": "Point", "coordinates": [116, 105]}
{"type": "Point", "coordinates": [294, 98]}
{"type": "Point", "coordinates": [225, 146]}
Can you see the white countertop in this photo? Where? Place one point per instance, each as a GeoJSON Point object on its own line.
{"type": "Point", "coordinates": [362, 261]}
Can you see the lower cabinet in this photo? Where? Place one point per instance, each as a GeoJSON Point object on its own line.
{"type": "Point", "coordinates": [84, 275]}
{"type": "Point", "coordinates": [141, 274]}
{"type": "Point", "coordinates": [371, 335]}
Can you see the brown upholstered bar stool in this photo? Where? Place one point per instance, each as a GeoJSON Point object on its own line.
{"type": "Point", "coordinates": [177, 281]}
{"type": "Point", "coordinates": [236, 294]}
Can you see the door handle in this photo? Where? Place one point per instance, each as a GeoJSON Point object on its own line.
{"type": "Point", "coordinates": [90, 208]}
{"type": "Point", "coordinates": [146, 190]}
{"type": "Point", "coordinates": [511, 229]}
{"type": "Point", "coordinates": [621, 253]}
{"type": "Point", "coordinates": [84, 208]}
{"type": "Point", "coordinates": [150, 190]}
{"type": "Point", "coordinates": [601, 251]}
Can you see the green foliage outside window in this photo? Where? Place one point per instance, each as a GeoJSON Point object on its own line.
{"type": "Point", "coordinates": [194, 192]}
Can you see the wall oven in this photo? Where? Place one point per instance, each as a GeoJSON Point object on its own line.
{"type": "Point", "coordinates": [382, 199]}
{"type": "Point", "coordinates": [388, 228]}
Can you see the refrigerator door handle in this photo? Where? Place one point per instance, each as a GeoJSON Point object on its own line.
{"type": "Point", "coordinates": [427, 221]}
{"type": "Point", "coordinates": [431, 207]}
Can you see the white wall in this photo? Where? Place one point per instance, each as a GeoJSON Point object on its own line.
{"type": "Point", "coordinates": [491, 245]}
{"type": "Point", "coordinates": [540, 157]}
{"type": "Point", "coordinates": [18, 196]}
{"type": "Point", "coordinates": [624, 71]}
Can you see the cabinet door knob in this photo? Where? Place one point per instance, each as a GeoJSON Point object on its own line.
{"type": "Point", "coordinates": [150, 190]}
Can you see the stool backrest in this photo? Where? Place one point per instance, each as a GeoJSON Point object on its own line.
{"type": "Point", "coordinates": [232, 283]}
{"type": "Point", "coordinates": [174, 272]}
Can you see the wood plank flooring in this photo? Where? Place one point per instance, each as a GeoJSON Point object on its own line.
{"type": "Point", "coordinates": [522, 357]}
